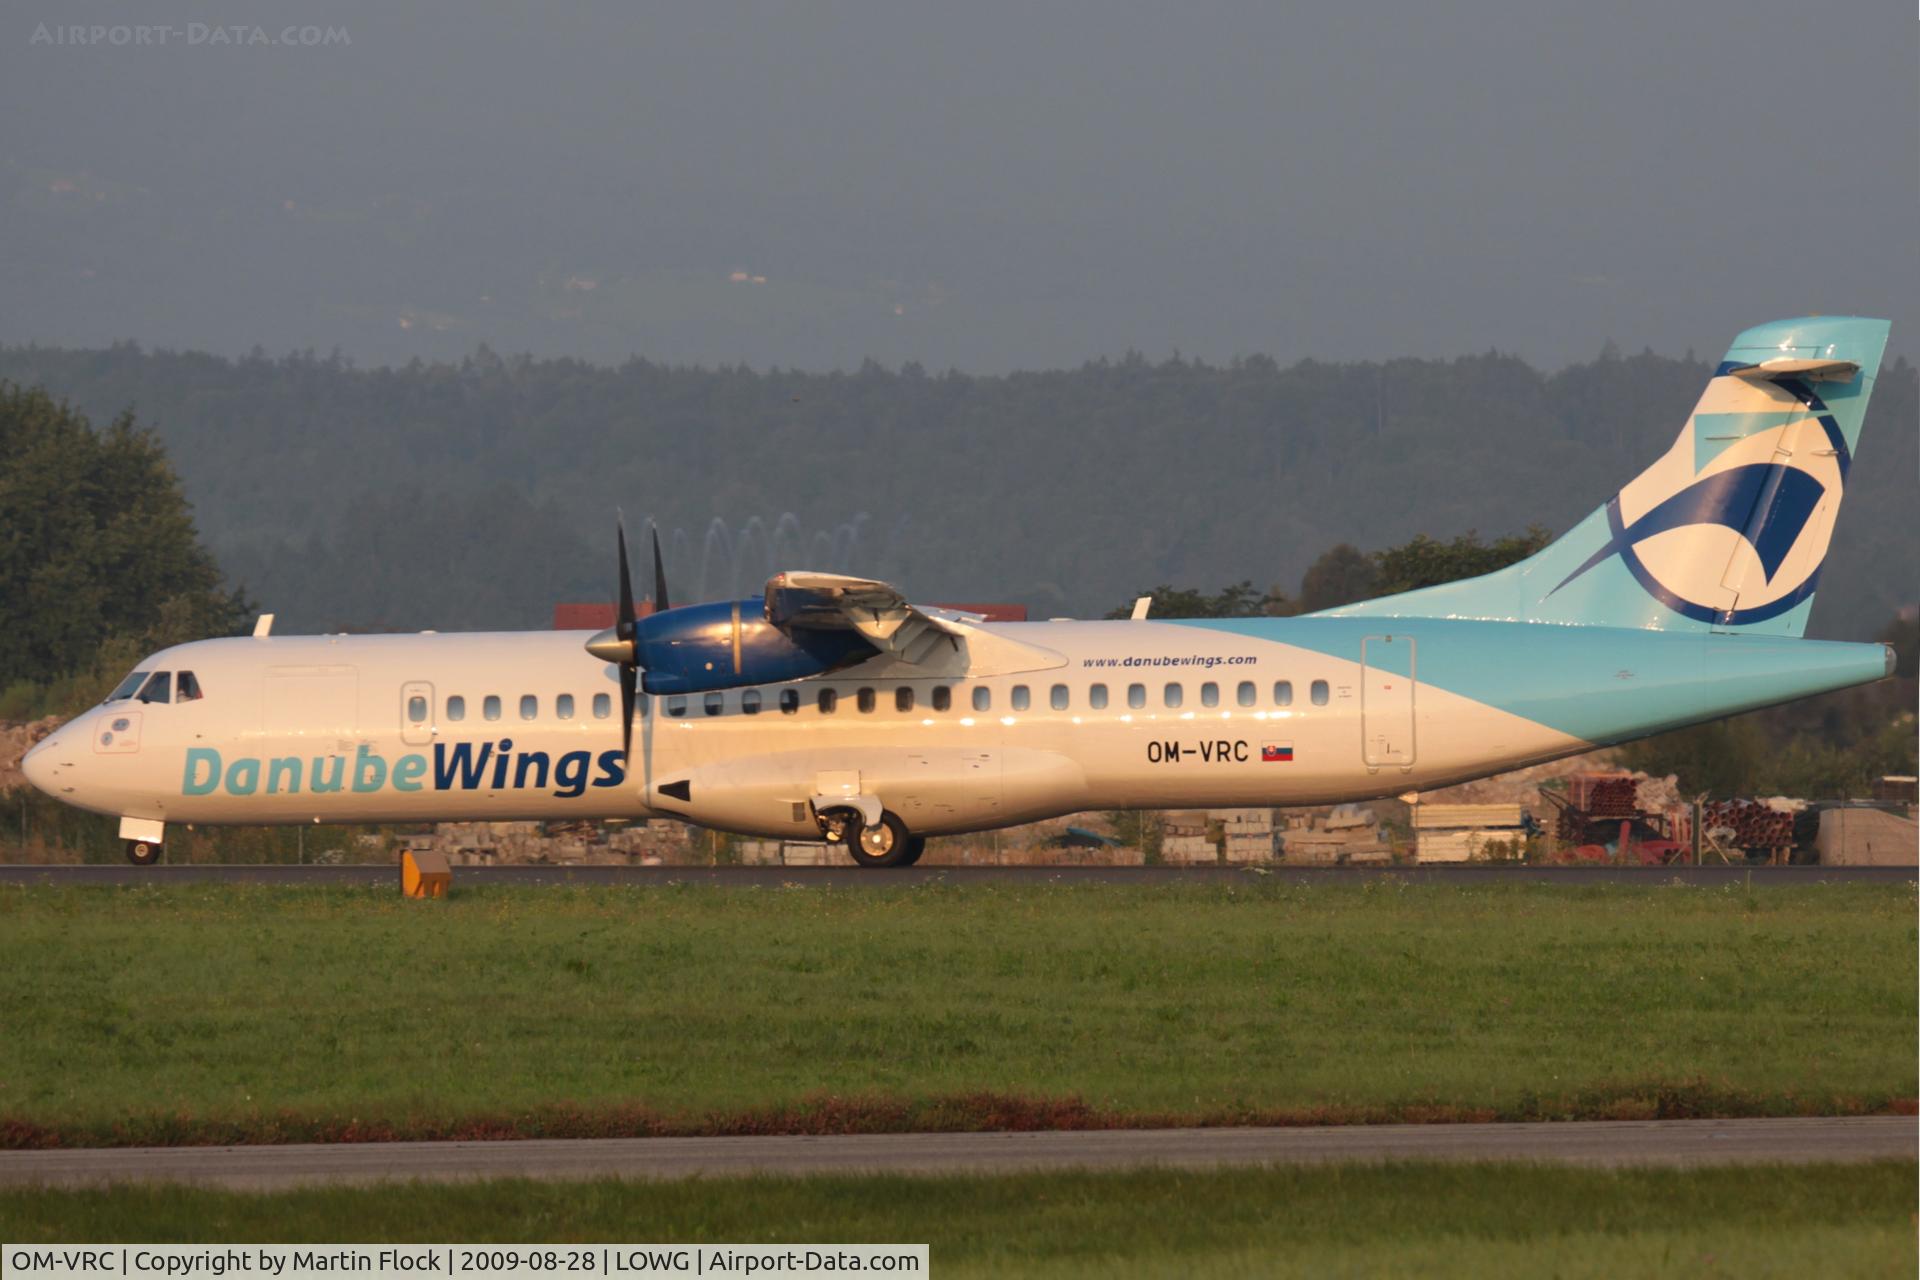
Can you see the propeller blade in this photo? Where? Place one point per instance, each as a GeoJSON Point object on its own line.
{"type": "Point", "coordinates": [628, 678]}
{"type": "Point", "coordinates": [628, 631]}
{"type": "Point", "coordinates": [625, 620]}
{"type": "Point", "coordinates": [659, 576]}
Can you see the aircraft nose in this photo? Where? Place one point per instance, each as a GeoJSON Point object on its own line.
{"type": "Point", "coordinates": [39, 765]}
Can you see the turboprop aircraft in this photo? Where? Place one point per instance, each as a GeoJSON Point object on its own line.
{"type": "Point", "coordinates": [832, 708]}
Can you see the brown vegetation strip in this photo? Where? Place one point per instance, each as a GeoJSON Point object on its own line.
{"type": "Point", "coordinates": [962, 1113]}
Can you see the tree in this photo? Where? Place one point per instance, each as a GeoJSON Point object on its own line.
{"type": "Point", "coordinates": [1342, 575]}
{"type": "Point", "coordinates": [1240, 600]}
{"type": "Point", "coordinates": [98, 551]}
{"type": "Point", "coordinates": [1426, 562]}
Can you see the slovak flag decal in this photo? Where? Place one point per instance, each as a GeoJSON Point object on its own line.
{"type": "Point", "coordinates": [1276, 753]}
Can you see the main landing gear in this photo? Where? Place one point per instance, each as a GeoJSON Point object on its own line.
{"type": "Point", "coordinates": [885, 843]}
{"type": "Point", "coordinates": [142, 853]}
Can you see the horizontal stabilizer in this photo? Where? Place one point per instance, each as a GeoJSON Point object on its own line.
{"type": "Point", "coordinates": [1805, 370]}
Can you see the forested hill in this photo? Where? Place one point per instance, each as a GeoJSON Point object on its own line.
{"type": "Point", "coordinates": [477, 494]}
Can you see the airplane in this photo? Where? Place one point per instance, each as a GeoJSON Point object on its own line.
{"type": "Point", "coordinates": [831, 708]}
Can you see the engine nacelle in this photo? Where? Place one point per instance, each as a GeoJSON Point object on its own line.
{"type": "Point", "coordinates": [726, 645]}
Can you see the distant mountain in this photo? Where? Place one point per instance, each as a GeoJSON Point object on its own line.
{"type": "Point", "coordinates": [478, 494]}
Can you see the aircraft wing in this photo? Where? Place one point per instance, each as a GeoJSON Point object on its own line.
{"type": "Point", "coordinates": [940, 641]}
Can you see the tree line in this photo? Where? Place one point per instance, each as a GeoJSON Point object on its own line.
{"type": "Point", "coordinates": [477, 493]}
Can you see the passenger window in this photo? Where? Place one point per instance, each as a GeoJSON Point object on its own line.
{"type": "Point", "coordinates": [982, 698]}
{"type": "Point", "coordinates": [491, 707]}
{"type": "Point", "coordinates": [417, 709]}
{"type": "Point", "coordinates": [903, 699]}
{"type": "Point", "coordinates": [750, 702]}
{"type": "Point", "coordinates": [457, 707]}
{"type": "Point", "coordinates": [602, 706]}
{"type": "Point", "coordinates": [159, 689]}
{"type": "Point", "coordinates": [865, 701]}
{"type": "Point", "coordinates": [1173, 695]}
{"type": "Point", "coordinates": [1209, 694]}
{"type": "Point", "coordinates": [529, 707]}
{"type": "Point", "coordinates": [1097, 697]}
{"type": "Point", "coordinates": [942, 698]}
{"type": "Point", "coordinates": [1058, 697]}
{"type": "Point", "coordinates": [826, 701]}
{"type": "Point", "coordinates": [1319, 693]}
{"type": "Point", "coordinates": [1246, 693]}
{"type": "Point", "coordinates": [1136, 695]}
{"type": "Point", "coordinates": [789, 701]}
{"type": "Point", "coordinates": [677, 705]}
{"type": "Point", "coordinates": [126, 688]}
{"type": "Point", "coordinates": [1283, 693]}
{"type": "Point", "coordinates": [715, 703]}
{"type": "Point", "coordinates": [1021, 699]}
{"type": "Point", "coordinates": [563, 706]}
{"type": "Point", "coordinates": [186, 688]}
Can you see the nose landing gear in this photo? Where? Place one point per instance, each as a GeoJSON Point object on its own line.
{"type": "Point", "coordinates": [140, 837]}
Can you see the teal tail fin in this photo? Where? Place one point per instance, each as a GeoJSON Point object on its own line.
{"type": "Point", "coordinates": [1728, 530]}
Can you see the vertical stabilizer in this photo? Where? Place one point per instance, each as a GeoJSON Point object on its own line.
{"type": "Point", "coordinates": [1728, 530]}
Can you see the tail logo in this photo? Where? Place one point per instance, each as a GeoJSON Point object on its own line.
{"type": "Point", "coordinates": [1769, 504]}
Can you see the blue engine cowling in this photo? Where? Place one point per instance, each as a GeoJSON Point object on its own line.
{"type": "Point", "coordinates": [727, 645]}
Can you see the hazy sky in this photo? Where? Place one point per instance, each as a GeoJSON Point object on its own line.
{"type": "Point", "coordinates": [969, 184]}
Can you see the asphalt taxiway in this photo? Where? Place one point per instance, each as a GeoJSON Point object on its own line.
{"type": "Point", "coordinates": [1794, 1140]}
{"type": "Point", "coordinates": [856, 877]}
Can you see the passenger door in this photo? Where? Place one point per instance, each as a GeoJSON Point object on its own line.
{"type": "Point", "coordinates": [1386, 701]}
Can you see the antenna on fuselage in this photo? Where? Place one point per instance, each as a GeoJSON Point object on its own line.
{"type": "Point", "coordinates": [1140, 607]}
{"type": "Point", "coordinates": [263, 626]}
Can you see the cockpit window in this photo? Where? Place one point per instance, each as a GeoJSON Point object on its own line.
{"type": "Point", "coordinates": [186, 688]}
{"type": "Point", "coordinates": [128, 687]}
{"type": "Point", "coordinates": [159, 688]}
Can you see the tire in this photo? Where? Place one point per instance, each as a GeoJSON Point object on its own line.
{"type": "Point", "coordinates": [883, 844]}
{"type": "Point", "coordinates": [142, 853]}
{"type": "Point", "coordinates": [916, 845]}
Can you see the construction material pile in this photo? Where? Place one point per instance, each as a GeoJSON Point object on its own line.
{"type": "Point", "coordinates": [1183, 838]}
{"type": "Point", "coordinates": [1246, 834]}
{"type": "Point", "coordinates": [1752, 824]}
{"type": "Point", "coordinates": [1607, 797]}
{"type": "Point", "coordinates": [1348, 834]}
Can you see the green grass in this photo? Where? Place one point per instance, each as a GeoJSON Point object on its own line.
{"type": "Point", "coordinates": [1429, 1220]}
{"type": "Point", "coordinates": [198, 1012]}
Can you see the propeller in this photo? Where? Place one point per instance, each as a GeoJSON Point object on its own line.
{"type": "Point", "coordinates": [620, 644]}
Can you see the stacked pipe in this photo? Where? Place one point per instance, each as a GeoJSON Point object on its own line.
{"type": "Point", "coordinates": [1753, 824]}
{"type": "Point", "coordinates": [1614, 798]}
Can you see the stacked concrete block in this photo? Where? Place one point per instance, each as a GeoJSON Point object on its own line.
{"type": "Point", "coordinates": [1183, 839]}
{"type": "Point", "coordinates": [1350, 833]}
{"type": "Point", "coordinates": [1247, 834]}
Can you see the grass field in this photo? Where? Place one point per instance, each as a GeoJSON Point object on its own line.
{"type": "Point", "coordinates": [216, 1012]}
{"type": "Point", "coordinates": [1485, 1220]}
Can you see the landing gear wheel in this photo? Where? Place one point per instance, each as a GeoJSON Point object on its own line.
{"type": "Point", "coordinates": [884, 844]}
{"type": "Point", "coordinates": [142, 853]}
{"type": "Point", "coordinates": [916, 845]}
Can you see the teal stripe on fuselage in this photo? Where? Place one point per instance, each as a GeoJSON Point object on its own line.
{"type": "Point", "coordinates": [1599, 684]}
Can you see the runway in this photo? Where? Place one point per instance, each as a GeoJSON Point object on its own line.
{"type": "Point", "coordinates": [1596, 1143]}
{"type": "Point", "coordinates": [857, 878]}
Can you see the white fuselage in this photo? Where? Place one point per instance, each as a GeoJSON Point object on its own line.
{"type": "Point", "coordinates": [525, 725]}
{"type": "Point", "coordinates": [1078, 716]}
